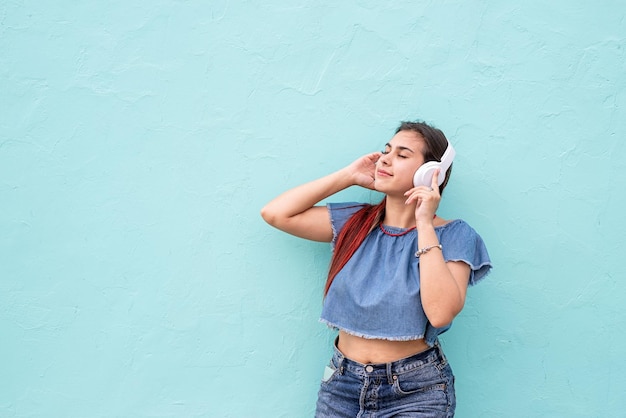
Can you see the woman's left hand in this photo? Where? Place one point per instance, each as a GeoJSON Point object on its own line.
{"type": "Point", "coordinates": [427, 199]}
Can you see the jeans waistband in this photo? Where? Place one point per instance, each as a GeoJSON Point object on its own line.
{"type": "Point", "coordinates": [433, 355]}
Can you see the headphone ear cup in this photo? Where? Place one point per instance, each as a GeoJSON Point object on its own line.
{"type": "Point", "coordinates": [424, 175]}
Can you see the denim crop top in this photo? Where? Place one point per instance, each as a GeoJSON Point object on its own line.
{"type": "Point", "coordinates": [377, 293]}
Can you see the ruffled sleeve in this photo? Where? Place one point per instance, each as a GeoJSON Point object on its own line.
{"type": "Point", "coordinates": [461, 242]}
{"type": "Point", "coordinates": [339, 214]}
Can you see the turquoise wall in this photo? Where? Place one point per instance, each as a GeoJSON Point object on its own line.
{"type": "Point", "coordinates": [139, 140]}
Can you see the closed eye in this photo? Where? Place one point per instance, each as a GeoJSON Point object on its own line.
{"type": "Point", "coordinates": [385, 152]}
{"type": "Point", "coordinates": [399, 149]}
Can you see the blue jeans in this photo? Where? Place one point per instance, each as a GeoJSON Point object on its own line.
{"type": "Point", "coordinates": [418, 386]}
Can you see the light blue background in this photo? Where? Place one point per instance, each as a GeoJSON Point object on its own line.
{"type": "Point", "coordinates": [139, 140]}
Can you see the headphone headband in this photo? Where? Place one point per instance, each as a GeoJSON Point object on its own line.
{"type": "Point", "coordinates": [447, 158]}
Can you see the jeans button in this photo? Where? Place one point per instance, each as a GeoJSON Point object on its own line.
{"type": "Point", "coordinates": [369, 369]}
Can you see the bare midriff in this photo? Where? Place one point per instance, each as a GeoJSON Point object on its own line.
{"type": "Point", "coordinates": [372, 351]}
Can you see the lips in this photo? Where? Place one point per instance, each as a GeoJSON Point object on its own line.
{"type": "Point", "coordinates": [383, 173]}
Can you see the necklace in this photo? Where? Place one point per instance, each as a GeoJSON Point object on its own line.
{"type": "Point", "coordinates": [391, 234]}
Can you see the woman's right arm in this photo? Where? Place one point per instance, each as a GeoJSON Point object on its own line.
{"type": "Point", "coordinates": [295, 212]}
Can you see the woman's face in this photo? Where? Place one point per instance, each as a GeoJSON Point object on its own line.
{"type": "Point", "coordinates": [402, 156]}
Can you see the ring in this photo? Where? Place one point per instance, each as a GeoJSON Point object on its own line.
{"type": "Point", "coordinates": [431, 189]}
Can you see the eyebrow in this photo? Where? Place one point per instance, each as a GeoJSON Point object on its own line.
{"type": "Point", "coordinates": [400, 148]}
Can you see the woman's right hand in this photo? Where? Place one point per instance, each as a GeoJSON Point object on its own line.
{"type": "Point", "coordinates": [362, 170]}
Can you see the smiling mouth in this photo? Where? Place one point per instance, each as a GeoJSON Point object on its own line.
{"type": "Point", "coordinates": [383, 173]}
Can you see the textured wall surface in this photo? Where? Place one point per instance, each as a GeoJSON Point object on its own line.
{"type": "Point", "coordinates": [139, 140]}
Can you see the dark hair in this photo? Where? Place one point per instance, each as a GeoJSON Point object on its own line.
{"type": "Point", "coordinates": [365, 220]}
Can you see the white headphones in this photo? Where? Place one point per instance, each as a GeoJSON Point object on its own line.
{"type": "Point", "coordinates": [424, 175]}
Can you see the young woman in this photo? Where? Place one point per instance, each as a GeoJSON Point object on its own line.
{"type": "Point", "coordinates": [398, 277]}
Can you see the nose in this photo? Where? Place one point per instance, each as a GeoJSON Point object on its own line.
{"type": "Point", "coordinates": [383, 159]}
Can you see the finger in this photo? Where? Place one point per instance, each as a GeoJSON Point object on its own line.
{"type": "Point", "coordinates": [411, 194]}
{"type": "Point", "coordinates": [413, 199]}
{"type": "Point", "coordinates": [415, 196]}
{"type": "Point", "coordinates": [435, 182]}
{"type": "Point", "coordinates": [375, 156]}
{"type": "Point", "coordinates": [424, 189]}
{"type": "Point", "coordinates": [422, 193]}
{"type": "Point", "coordinates": [410, 198]}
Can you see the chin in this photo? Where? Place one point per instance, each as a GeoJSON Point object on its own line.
{"type": "Point", "coordinates": [379, 187]}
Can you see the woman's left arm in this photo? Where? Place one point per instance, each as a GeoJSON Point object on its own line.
{"type": "Point", "coordinates": [443, 285]}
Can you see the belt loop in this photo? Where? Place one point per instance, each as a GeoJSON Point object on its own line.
{"type": "Point", "coordinates": [389, 374]}
{"type": "Point", "coordinates": [339, 354]}
{"type": "Point", "coordinates": [442, 356]}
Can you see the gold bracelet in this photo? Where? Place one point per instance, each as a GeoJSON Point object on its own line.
{"type": "Point", "coordinates": [427, 249]}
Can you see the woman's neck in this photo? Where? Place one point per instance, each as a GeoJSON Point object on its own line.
{"type": "Point", "coordinates": [398, 214]}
